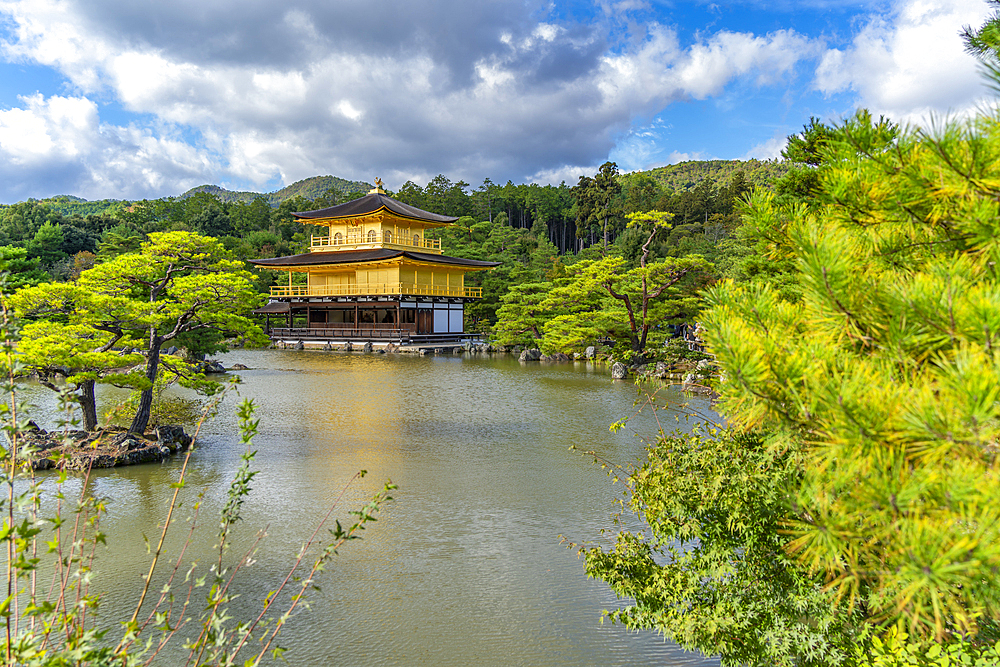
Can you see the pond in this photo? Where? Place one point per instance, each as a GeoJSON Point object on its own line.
{"type": "Point", "coordinates": [466, 564]}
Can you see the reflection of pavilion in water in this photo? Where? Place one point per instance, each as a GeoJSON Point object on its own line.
{"type": "Point", "coordinates": [374, 276]}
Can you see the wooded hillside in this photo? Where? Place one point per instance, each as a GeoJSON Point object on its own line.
{"type": "Point", "coordinates": [672, 178]}
{"type": "Point", "coordinates": [687, 175]}
{"type": "Point", "coordinates": [70, 205]}
{"type": "Point", "coordinates": [309, 188]}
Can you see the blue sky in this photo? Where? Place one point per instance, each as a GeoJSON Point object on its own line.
{"type": "Point", "coordinates": [129, 99]}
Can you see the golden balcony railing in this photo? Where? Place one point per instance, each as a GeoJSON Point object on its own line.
{"type": "Point", "coordinates": [376, 289]}
{"type": "Point", "coordinates": [363, 242]}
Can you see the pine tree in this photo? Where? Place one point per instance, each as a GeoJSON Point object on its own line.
{"type": "Point", "coordinates": [885, 377]}
{"type": "Point", "coordinates": [179, 287]}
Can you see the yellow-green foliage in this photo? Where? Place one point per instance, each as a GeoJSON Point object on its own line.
{"type": "Point", "coordinates": [165, 409]}
{"type": "Point", "coordinates": [603, 298]}
{"type": "Point", "coordinates": [895, 650]}
{"type": "Point", "coordinates": [121, 313]}
{"type": "Point", "coordinates": [711, 572]}
{"type": "Point", "coordinates": [523, 315]}
{"type": "Point", "coordinates": [607, 298]}
{"type": "Point", "coordinates": [885, 378]}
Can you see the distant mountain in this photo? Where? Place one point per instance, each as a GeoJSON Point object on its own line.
{"type": "Point", "coordinates": [687, 175]}
{"type": "Point", "coordinates": [310, 188]}
{"type": "Point", "coordinates": [675, 177]}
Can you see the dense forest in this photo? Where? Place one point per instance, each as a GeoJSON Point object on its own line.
{"type": "Point", "coordinates": [539, 234]}
{"type": "Point", "coordinates": [616, 258]}
{"type": "Point", "coordinates": [687, 175]}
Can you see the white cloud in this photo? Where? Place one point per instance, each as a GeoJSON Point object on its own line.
{"type": "Point", "coordinates": [546, 32]}
{"type": "Point", "coordinates": [538, 97]}
{"type": "Point", "coordinates": [769, 149]}
{"type": "Point", "coordinates": [61, 140]}
{"type": "Point", "coordinates": [59, 128]}
{"type": "Point", "coordinates": [346, 108]}
{"type": "Point", "coordinates": [709, 66]}
{"type": "Point", "coordinates": [565, 173]}
{"type": "Point", "coordinates": [910, 63]}
{"type": "Point", "coordinates": [312, 87]}
{"type": "Point", "coordinates": [676, 156]}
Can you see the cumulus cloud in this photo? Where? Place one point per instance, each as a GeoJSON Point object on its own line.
{"type": "Point", "coordinates": [254, 92]}
{"type": "Point", "coordinates": [60, 141]}
{"type": "Point", "coordinates": [59, 128]}
{"type": "Point", "coordinates": [769, 149]}
{"type": "Point", "coordinates": [277, 93]}
{"type": "Point", "coordinates": [910, 63]}
{"type": "Point", "coordinates": [707, 67]}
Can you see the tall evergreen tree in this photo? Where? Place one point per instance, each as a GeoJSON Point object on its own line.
{"type": "Point", "coordinates": [597, 201]}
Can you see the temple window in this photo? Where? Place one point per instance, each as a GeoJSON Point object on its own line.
{"type": "Point", "coordinates": [387, 236]}
{"type": "Point", "coordinates": [338, 238]}
{"type": "Point", "coordinates": [416, 240]}
{"type": "Point", "coordinates": [372, 236]}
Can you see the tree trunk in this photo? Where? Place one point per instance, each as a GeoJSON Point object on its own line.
{"type": "Point", "coordinates": [141, 419]}
{"type": "Point", "coordinates": [88, 404]}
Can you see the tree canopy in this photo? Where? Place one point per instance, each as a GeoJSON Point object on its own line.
{"type": "Point", "coordinates": [179, 286]}
{"type": "Point", "coordinates": [597, 201]}
{"type": "Point", "coordinates": [608, 298]}
{"type": "Point", "coordinates": [864, 414]}
{"type": "Point", "coordinates": [884, 376]}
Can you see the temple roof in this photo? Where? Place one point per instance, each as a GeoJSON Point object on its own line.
{"type": "Point", "coordinates": [273, 307]}
{"type": "Point", "coordinates": [369, 204]}
{"type": "Point", "coordinates": [376, 255]}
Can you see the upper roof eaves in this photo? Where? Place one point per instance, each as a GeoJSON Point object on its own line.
{"type": "Point", "coordinates": [369, 204]}
{"type": "Point", "coordinates": [374, 255]}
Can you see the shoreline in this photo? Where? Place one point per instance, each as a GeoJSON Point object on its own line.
{"type": "Point", "coordinates": [114, 447]}
{"type": "Point", "coordinates": [111, 447]}
{"type": "Point", "coordinates": [682, 374]}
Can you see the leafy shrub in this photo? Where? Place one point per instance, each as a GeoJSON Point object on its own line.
{"type": "Point", "coordinates": [676, 349]}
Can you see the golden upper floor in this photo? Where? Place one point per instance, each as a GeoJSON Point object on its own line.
{"type": "Point", "coordinates": [374, 221]}
{"type": "Point", "coordinates": [375, 231]}
{"type": "Point", "coordinates": [395, 277]}
{"type": "Point", "coordinates": [378, 271]}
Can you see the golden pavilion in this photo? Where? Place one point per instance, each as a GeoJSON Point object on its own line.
{"type": "Point", "coordinates": [373, 275]}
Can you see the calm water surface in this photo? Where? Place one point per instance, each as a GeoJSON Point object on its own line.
{"type": "Point", "coordinates": [465, 566]}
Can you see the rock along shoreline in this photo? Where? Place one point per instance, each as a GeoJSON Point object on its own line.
{"type": "Point", "coordinates": [107, 448]}
{"type": "Point", "coordinates": [690, 377]}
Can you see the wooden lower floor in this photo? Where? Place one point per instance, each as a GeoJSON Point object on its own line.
{"type": "Point", "coordinates": [312, 337]}
{"type": "Point", "coordinates": [364, 318]}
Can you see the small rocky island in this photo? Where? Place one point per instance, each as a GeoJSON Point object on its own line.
{"type": "Point", "coordinates": [106, 448]}
{"type": "Point", "coordinates": [111, 446]}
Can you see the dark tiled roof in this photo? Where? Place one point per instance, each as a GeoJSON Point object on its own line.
{"type": "Point", "coordinates": [445, 259]}
{"type": "Point", "coordinates": [273, 307]}
{"type": "Point", "coordinates": [370, 204]}
{"type": "Point", "coordinates": [376, 255]}
{"type": "Point", "coordinates": [337, 257]}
